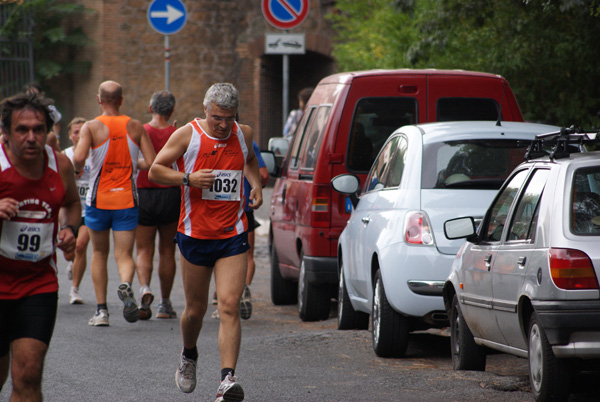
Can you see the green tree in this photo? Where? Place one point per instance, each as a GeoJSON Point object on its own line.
{"type": "Point", "coordinates": [373, 33]}
{"type": "Point", "coordinates": [55, 39]}
{"type": "Point", "coordinates": [546, 49]}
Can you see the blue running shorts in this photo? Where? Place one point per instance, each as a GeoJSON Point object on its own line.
{"type": "Point", "coordinates": [115, 219]}
{"type": "Point", "coordinates": [206, 252]}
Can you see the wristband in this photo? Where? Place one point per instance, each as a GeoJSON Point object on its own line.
{"type": "Point", "coordinates": [73, 228]}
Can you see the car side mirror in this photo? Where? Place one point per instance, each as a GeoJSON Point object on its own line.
{"type": "Point", "coordinates": [279, 146]}
{"type": "Point", "coordinates": [348, 184]}
{"type": "Point", "coordinates": [460, 228]}
{"type": "Point", "coordinates": [270, 162]}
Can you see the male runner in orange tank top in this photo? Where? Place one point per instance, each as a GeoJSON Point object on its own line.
{"type": "Point", "coordinates": [114, 141]}
{"type": "Point", "coordinates": [213, 155]}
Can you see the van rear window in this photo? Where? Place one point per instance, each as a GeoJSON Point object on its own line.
{"type": "Point", "coordinates": [455, 109]}
{"type": "Point", "coordinates": [374, 120]}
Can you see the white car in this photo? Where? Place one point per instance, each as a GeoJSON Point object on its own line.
{"type": "Point", "coordinates": [393, 256]}
{"type": "Point", "coordinates": [526, 283]}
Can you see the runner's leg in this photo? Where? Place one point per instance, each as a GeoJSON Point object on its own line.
{"type": "Point", "coordinates": [230, 278]}
{"type": "Point", "coordinates": [196, 282]}
{"type": "Point", "coordinates": [100, 250]}
{"type": "Point", "coordinates": [166, 262]}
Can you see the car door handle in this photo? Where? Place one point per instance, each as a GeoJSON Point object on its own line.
{"type": "Point", "coordinates": [521, 262]}
{"type": "Point", "coordinates": [488, 261]}
{"type": "Point", "coordinates": [366, 220]}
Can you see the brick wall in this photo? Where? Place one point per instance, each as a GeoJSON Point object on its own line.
{"type": "Point", "coordinates": [222, 40]}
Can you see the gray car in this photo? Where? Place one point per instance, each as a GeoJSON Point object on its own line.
{"type": "Point", "coordinates": [526, 283]}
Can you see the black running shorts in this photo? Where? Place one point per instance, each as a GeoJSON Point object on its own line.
{"type": "Point", "coordinates": [159, 206]}
{"type": "Point", "coordinates": [29, 317]}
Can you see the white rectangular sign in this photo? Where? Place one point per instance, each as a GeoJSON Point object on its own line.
{"type": "Point", "coordinates": [284, 44]}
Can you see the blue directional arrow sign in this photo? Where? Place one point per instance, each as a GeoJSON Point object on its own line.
{"type": "Point", "coordinates": [167, 16]}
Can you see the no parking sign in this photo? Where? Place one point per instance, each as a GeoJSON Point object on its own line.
{"type": "Point", "coordinates": [285, 14]}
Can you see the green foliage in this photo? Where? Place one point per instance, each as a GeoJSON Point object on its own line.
{"type": "Point", "coordinates": [546, 49]}
{"type": "Point", "coordinates": [55, 41]}
{"type": "Point", "coordinates": [373, 33]}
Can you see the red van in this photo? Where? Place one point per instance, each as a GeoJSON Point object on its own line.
{"type": "Point", "coordinates": [346, 121]}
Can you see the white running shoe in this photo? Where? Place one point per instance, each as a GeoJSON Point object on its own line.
{"type": "Point", "coordinates": [230, 390]}
{"type": "Point", "coordinates": [146, 299]}
{"type": "Point", "coordinates": [70, 271]}
{"type": "Point", "coordinates": [74, 296]}
{"type": "Point", "coordinates": [185, 376]}
{"type": "Point", "coordinates": [100, 319]}
{"type": "Point", "coordinates": [165, 310]}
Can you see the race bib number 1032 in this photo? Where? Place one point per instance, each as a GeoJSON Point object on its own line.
{"type": "Point", "coordinates": [227, 186]}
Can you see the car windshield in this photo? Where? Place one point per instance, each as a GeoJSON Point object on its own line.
{"type": "Point", "coordinates": [470, 164]}
{"type": "Point", "coordinates": [585, 202]}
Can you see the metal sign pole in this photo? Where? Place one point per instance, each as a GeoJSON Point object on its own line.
{"type": "Point", "coordinates": [167, 62]}
{"type": "Point", "coordinates": [285, 14]}
{"type": "Point", "coordinates": [286, 84]}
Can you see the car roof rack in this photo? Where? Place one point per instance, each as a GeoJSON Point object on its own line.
{"type": "Point", "coordinates": [560, 144]}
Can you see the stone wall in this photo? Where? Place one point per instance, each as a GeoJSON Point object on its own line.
{"type": "Point", "coordinates": [222, 40]}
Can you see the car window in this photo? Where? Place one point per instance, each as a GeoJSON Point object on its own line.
{"type": "Point", "coordinates": [396, 166]}
{"type": "Point", "coordinates": [500, 208]}
{"type": "Point", "coordinates": [525, 218]}
{"type": "Point", "coordinates": [465, 164]}
{"type": "Point", "coordinates": [585, 202]}
{"type": "Point", "coordinates": [377, 176]}
{"type": "Point", "coordinates": [374, 120]}
{"type": "Point", "coordinates": [312, 145]}
{"type": "Point", "coordinates": [454, 109]}
{"type": "Point", "coordinates": [300, 136]}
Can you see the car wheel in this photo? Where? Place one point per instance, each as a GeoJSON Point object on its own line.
{"type": "Point", "coordinates": [389, 329]}
{"type": "Point", "coordinates": [549, 377]}
{"type": "Point", "coordinates": [283, 291]}
{"type": "Point", "coordinates": [347, 317]}
{"type": "Point", "coordinates": [313, 301]}
{"type": "Point", "coordinates": [466, 354]}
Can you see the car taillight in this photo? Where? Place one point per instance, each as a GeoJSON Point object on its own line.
{"type": "Point", "coordinates": [417, 229]}
{"type": "Point", "coordinates": [319, 209]}
{"type": "Point", "coordinates": [572, 269]}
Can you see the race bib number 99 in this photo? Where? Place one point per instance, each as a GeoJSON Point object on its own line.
{"type": "Point", "coordinates": [227, 186]}
{"type": "Point", "coordinates": [26, 241]}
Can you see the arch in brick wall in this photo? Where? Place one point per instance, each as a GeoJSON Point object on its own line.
{"type": "Point", "coordinates": [305, 71]}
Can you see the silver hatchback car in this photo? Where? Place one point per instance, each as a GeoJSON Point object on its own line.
{"type": "Point", "coordinates": [526, 283]}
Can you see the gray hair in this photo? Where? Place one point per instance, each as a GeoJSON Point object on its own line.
{"type": "Point", "coordinates": [224, 95]}
{"type": "Point", "coordinates": [162, 103]}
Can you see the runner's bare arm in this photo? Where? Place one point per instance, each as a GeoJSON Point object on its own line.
{"type": "Point", "coordinates": [82, 149]}
{"type": "Point", "coordinates": [251, 171]}
{"type": "Point", "coordinates": [52, 140]}
{"type": "Point", "coordinates": [70, 211]}
{"type": "Point", "coordinates": [161, 170]}
{"type": "Point", "coordinates": [136, 129]}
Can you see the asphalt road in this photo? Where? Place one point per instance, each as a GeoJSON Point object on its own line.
{"type": "Point", "coordinates": [282, 359]}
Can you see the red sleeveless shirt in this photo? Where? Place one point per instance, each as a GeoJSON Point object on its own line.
{"type": "Point", "coordinates": [28, 241]}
